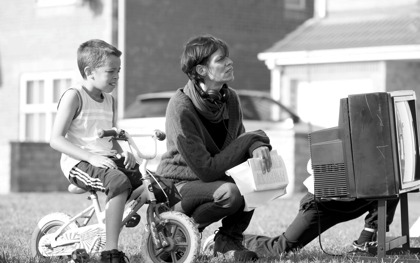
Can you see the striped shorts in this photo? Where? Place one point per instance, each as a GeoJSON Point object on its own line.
{"type": "Point", "coordinates": [110, 181]}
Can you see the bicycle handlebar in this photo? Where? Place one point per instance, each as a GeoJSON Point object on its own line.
{"type": "Point", "coordinates": [107, 133]}
{"type": "Point", "coordinates": [158, 134]}
{"type": "Point", "coordinates": [141, 157]}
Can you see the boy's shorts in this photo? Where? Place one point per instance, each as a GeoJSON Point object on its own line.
{"type": "Point", "coordinates": [110, 181]}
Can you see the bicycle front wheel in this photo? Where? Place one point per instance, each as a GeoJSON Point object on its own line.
{"type": "Point", "coordinates": [182, 235]}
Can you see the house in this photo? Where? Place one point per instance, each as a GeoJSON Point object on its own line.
{"type": "Point", "coordinates": [348, 47]}
{"type": "Point", "coordinates": [356, 46]}
{"type": "Point", "coordinates": [38, 43]}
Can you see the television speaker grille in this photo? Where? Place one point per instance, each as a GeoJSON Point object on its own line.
{"type": "Point", "coordinates": [330, 180]}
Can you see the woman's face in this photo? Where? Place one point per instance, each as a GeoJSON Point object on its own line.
{"type": "Point", "coordinates": [219, 69]}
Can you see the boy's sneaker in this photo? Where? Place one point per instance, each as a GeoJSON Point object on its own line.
{"type": "Point", "coordinates": [80, 256]}
{"type": "Point", "coordinates": [364, 247]}
{"type": "Point", "coordinates": [113, 256]}
{"type": "Point", "coordinates": [224, 244]}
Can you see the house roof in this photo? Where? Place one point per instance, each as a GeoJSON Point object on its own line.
{"type": "Point", "coordinates": [385, 33]}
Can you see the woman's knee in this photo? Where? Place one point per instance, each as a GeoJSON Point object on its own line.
{"type": "Point", "coordinates": [229, 195]}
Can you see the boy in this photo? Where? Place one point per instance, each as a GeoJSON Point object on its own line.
{"type": "Point", "coordinates": [315, 217]}
{"type": "Point", "coordinates": [88, 161]}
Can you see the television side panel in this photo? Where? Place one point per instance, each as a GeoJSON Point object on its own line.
{"type": "Point", "coordinates": [330, 178]}
{"type": "Point", "coordinates": [373, 145]}
{"type": "Point", "coordinates": [345, 136]}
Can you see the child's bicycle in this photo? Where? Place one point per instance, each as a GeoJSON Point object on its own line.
{"type": "Point", "coordinates": [170, 236]}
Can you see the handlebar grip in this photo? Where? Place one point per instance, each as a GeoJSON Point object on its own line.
{"type": "Point", "coordinates": [107, 133]}
{"type": "Point", "coordinates": [160, 135]}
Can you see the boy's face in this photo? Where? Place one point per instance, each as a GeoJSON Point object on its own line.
{"type": "Point", "coordinates": [106, 77]}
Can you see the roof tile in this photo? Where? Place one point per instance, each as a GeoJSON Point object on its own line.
{"type": "Point", "coordinates": [349, 32]}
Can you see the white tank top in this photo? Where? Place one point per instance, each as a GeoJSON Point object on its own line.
{"type": "Point", "coordinates": [83, 131]}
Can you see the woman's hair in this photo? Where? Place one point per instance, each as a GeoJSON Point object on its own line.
{"type": "Point", "coordinates": [197, 51]}
{"type": "Point", "coordinates": [93, 53]}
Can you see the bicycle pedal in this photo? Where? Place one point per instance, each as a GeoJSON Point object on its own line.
{"type": "Point", "coordinates": [134, 221]}
{"type": "Point", "coordinates": [80, 255]}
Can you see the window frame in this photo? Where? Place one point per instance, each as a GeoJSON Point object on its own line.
{"type": "Point", "coordinates": [295, 4]}
{"type": "Point", "coordinates": [47, 105]}
{"type": "Point", "coordinates": [54, 3]}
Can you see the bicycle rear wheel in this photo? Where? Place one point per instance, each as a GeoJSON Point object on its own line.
{"type": "Point", "coordinates": [48, 224]}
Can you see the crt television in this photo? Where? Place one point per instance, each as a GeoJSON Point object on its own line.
{"type": "Point", "coordinates": [374, 150]}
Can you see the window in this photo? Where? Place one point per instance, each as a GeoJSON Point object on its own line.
{"type": "Point", "coordinates": [147, 108]}
{"type": "Point", "coordinates": [50, 3]}
{"type": "Point", "coordinates": [295, 4]}
{"type": "Point", "coordinates": [40, 94]}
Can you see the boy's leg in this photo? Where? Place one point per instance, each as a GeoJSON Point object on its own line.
{"type": "Point", "coordinates": [371, 219]}
{"type": "Point", "coordinates": [301, 231]}
{"type": "Point", "coordinates": [114, 211]}
{"type": "Point", "coordinates": [311, 219]}
{"type": "Point", "coordinates": [116, 185]}
{"type": "Point", "coordinates": [368, 233]}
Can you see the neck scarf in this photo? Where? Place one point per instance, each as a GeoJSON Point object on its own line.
{"type": "Point", "coordinates": [211, 111]}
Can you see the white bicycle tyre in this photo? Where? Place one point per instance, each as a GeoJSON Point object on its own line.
{"type": "Point", "coordinates": [48, 222]}
{"type": "Point", "coordinates": [183, 225]}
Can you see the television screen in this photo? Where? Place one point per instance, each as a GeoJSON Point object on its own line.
{"type": "Point", "coordinates": [374, 150]}
{"type": "Point", "coordinates": [406, 141]}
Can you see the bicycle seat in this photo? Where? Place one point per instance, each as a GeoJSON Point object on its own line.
{"type": "Point", "coordinates": [75, 189]}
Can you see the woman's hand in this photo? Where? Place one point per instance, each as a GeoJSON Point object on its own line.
{"type": "Point", "coordinates": [263, 153]}
{"type": "Point", "coordinates": [129, 161]}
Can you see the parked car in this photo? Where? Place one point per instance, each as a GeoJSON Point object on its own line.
{"type": "Point", "coordinates": [260, 111]}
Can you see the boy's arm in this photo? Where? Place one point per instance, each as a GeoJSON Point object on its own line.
{"type": "Point", "coordinates": [115, 144]}
{"type": "Point", "coordinates": [130, 160]}
{"type": "Point", "coordinates": [68, 106]}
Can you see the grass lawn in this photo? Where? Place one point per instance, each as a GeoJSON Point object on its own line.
{"type": "Point", "coordinates": [19, 214]}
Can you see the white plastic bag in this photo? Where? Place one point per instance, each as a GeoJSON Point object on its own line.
{"type": "Point", "coordinates": [415, 229]}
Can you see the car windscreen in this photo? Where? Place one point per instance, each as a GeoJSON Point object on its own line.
{"type": "Point", "coordinates": [147, 108]}
{"type": "Point", "coordinates": [262, 109]}
{"type": "Point", "coordinates": [253, 107]}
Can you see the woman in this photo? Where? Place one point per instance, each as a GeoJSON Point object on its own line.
{"type": "Point", "coordinates": [206, 137]}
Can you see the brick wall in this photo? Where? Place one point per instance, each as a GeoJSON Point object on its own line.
{"type": "Point", "coordinates": [38, 39]}
{"type": "Point", "coordinates": [157, 31]}
{"type": "Point", "coordinates": [36, 168]}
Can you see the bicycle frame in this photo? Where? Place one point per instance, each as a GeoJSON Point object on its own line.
{"type": "Point", "coordinates": [145, 191]}
{"type": "Point", "coordinates": [142, 195]}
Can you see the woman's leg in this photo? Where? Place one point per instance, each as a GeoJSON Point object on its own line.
{"type": "Point", "coordinates": [210, 202]}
